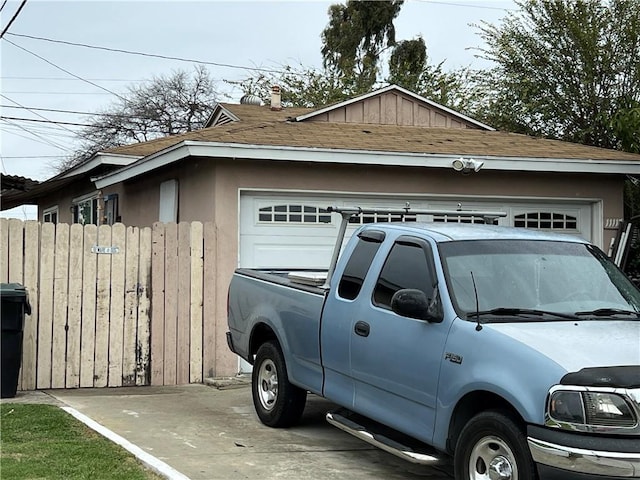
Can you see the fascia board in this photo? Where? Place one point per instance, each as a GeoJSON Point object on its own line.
{"type": "Point", "coordinates": [101, 159]}
{"type": "Point", "coordinates": [359, 157]}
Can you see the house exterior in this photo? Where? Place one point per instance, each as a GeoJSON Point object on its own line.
{"type": "Point", "coordinates": [264, 177]}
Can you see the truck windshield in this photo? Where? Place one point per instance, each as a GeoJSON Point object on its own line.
{"type": "Point", "coordinates": [526, 280]}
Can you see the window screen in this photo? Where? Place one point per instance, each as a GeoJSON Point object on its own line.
{"type": "Point", "coordinates": [357, 267]}
{"type": "Point", "coordinates": [405, 267]}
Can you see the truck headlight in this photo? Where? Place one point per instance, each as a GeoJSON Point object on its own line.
{"type": "Point", "coordinates": [589, 408]}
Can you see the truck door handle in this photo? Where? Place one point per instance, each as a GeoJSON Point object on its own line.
{"type": "Point", "coordinates": [362, 329]}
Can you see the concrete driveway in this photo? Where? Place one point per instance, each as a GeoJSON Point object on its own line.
{"type": "Point", "coordinates": [209, 433]}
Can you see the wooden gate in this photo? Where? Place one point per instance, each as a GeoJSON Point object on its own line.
{"type": "Point", "coordinates": [92, 291]}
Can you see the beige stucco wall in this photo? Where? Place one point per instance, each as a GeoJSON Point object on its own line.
{"type": "Point", "coordinates": [209, 191]}
{"type": "Point", "coordinates": [230, 176]}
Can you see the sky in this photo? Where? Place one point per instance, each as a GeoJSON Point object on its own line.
{"type": "Point", "coordinates": [232, 36]}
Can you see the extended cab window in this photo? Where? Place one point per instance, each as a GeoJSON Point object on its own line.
{"type": "Point", "coordinates": [359, 263]}
{"type": "Point", "coordinates": [405, 267]}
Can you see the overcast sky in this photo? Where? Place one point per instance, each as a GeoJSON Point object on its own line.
{"type": "Point", "coordinates": [247, 34]}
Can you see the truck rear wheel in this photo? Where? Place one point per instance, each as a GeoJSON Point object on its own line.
{"type": "Point", "coordinates": [491, 446]}
{"type": "Point", "coordinates": [278, 403]}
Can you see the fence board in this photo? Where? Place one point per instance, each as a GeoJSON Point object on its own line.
{"type": "Point", "coordinates": [60, 302]}
{"type": "Point", "coordinates": [209, 301]}
{"type": "Point", "coordinates": [183, 328]}
{"type": "Point", "coordinates": [195, 312]}
{"type": "Point", "coordinates": [143, 347]}
{"type": "Point", "coordinates": [170, 302]}
{"type": "Point", "coordinates": [74, 309]}
{"type": "Point", "coordinates": [88, 329]}
{"type": "Point", "coordinates": [45, 320]}
{"type": "Point", "coordinates": [116, 310]}
{"type": "Point", "coordinates": [4, 250]}
{"type": "Point", "coordinates": [16, 252]}
{"type": "Point", "coordinates": [130, 327]}
{"type": "Point", "coordinates": [103, 301]}
{"type": "Point", "coordinates": [157, 304]}
{"type": "Point", "coordinates": [29, 342]}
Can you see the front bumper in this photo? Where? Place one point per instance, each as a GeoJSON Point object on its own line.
{"type": "Point", "coordinates": [580, 456]}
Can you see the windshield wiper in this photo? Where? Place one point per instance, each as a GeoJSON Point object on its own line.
{"type": "Point", "coordinates": [507, 311]}
{"type": "Point", "coordinates": [606, 312]}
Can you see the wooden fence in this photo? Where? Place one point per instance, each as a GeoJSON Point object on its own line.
{"type": "Point", "coordinates": [112, 305]}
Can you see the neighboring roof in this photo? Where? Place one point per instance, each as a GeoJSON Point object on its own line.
{"type": "Point", "coordinates": [224, 113]}
{"type": "Point", "coordinates": [13, 186]}
{"type": "Point", "coordinates": [397, 89]}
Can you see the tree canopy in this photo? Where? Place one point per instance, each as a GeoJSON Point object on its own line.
{"type": "Point", "coordinates": [564, 69]}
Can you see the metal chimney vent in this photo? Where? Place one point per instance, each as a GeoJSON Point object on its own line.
{"type": "Point", "coordinates": [250, 100]}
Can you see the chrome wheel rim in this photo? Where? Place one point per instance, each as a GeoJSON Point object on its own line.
{"type": "Point", "coordinates": [492, 459]}
{"type": "Point", "coordinates": [267, 384]}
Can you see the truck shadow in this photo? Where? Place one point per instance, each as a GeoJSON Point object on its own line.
{"type": "Point", "coordinates": [381, 464]}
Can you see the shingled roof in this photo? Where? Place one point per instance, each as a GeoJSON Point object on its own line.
{"type": "Point", "coordinates": [258, 125]}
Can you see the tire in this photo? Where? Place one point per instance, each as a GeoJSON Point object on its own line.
{"type": "Point", "coordinates": [278, 403]}
{"type": "Point", "coordinates": [492, 443]}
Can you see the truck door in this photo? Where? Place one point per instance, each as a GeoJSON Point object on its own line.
{"type": "Point", "coordinates": [341, 307]}
{"type": "Point", "coordinates": [395, 361]}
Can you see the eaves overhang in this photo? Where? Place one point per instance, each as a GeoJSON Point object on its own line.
{"type": "Point", "coordinates": [98, 159]}
{"type": "Point", "coordinates": [359, 157]}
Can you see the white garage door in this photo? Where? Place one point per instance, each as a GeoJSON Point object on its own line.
{"type": "Point", "coordinates": [293, 231]}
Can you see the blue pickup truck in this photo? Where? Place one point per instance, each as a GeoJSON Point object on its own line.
{"type": "Point", "coordinates": [515, 352]}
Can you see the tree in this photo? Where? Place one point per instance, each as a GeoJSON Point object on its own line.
{"type": "Point", "coordinates": [357, 34]}
{"type": "Point", "coordinates": [563, 69]}
{"type": "Point", "coordinates": [166, 105]}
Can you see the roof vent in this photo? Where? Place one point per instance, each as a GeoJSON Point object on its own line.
{"type": "Point", "coordinates": [250, 99]}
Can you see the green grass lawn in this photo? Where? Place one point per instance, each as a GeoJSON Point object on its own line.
{"type": "Point", "coordinates": [45, 442]}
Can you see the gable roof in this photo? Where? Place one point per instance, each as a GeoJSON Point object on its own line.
{"type": "Point", "coordinates": [395, 89]}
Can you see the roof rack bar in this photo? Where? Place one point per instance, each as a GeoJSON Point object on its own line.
{"type": "Point", "coordinates": [348, 212]}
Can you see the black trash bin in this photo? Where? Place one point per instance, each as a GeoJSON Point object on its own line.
{"type": "Point", "coordinates": [15, 303]}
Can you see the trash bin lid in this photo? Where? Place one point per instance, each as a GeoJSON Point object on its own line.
{"type": "Point", "coordinates": [13, 291]}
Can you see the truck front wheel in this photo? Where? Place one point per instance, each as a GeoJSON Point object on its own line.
{"type": "Point", "coordinates": [278, 403]}
{"type": "Point", "coordinates": [491, 446]}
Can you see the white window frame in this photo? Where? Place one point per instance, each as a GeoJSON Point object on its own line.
{"type": "Point", "coordinates": [168, 201]}
{"type": "Point", "coordinates": [76, 202]}
{"type": "Point", "coordinates": [48, 212]}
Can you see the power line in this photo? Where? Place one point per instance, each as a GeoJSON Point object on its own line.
{"type": "Point", "coordinates": [45, 121]}
{"type": "Point", "coordinates": [11, 77]}
{"type": "Point", "coordinates": [467, 5]}
{"type": "Point", "coordinates": [3, 4]}
{"type": "Point", "coordinates": [34, 156]}
{"type": "Point", "coordinates": [59, 93]}
{"type": "Point", "coordinates": [15, 15]}
{"type": "Point", "coordinates": [46, 140]}
{"type": "Point", "coordinates": [65, 71]}
{"type": "Point", "coordinates": [144, 54]}
{"type": "Point", "coordinates": [35, 112]}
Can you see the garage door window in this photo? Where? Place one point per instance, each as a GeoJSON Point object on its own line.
{"type": "Point", "coordinates": [294, 213]}
{"type": "Point", "coordinates": [381, 218]}
{"type": "Point", "coordinates": [458, 219]}
{"type": "Point", "coordinates": [546, 221]}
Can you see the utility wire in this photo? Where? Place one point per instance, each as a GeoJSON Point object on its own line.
{"type": "Point", "coordinates": [15, 15]}
{"type": "Point", "coordinates": [36, 113]}
{"type": "Point", "coordinates": [35, 120]}
{"type": "Point", "coordinates": [3, 4]}
{"type": "Point", "coordinates": [46, 140]}
{"type": "Point", "coordinates": [65, 71]}
{"type": "Point", "coordinates": [153, 55]}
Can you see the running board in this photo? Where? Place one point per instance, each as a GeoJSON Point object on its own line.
{"type": "Point", "coordinates": [379, 436]}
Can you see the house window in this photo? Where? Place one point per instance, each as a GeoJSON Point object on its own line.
{"type": "Point", "coordinates": [546, 221]}
{"type": "Point", "coordinates": [381, 218]}
{"type": "Point", "coordinates": [294, 213]}
{"type": "Point", "coordinates": [168, 210]}
{"type": "Point", "coordinates": [50, 215]}
{"type": "Point", "coordinates": [85, 210]}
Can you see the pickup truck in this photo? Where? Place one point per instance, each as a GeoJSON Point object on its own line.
{"type": "Point", "coordinates": [516, 352]}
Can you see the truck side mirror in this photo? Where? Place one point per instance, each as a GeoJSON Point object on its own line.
{"type": "Point", "coordinates": [413, 303]}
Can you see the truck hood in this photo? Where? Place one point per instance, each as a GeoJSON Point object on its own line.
{"type": "Point", "coordinates": [582, 344]}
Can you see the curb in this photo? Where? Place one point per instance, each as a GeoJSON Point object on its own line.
{"type": "Point", "coordinates": [149, 460]}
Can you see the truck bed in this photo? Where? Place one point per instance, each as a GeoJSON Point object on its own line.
{"type": "Point", "coordinates": [282, 277]}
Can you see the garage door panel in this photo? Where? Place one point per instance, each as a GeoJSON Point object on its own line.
{"type": "Point", "coordinates": [274, 231]}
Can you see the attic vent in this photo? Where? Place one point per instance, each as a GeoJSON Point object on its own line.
{"type": "Point", "coordinates": [250, 100]}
